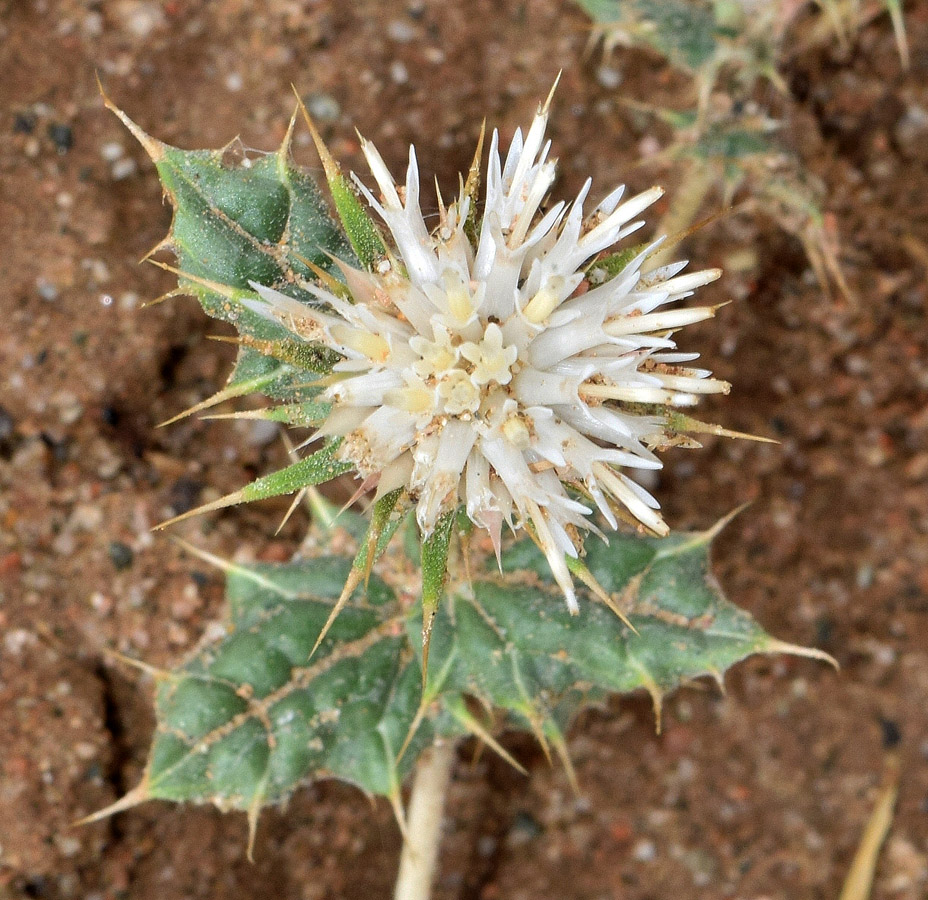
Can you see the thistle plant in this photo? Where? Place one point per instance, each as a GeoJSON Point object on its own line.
{"type": "Point", "coordinates": [727, 143]}
{"type": "Point", "coordinates": [493, 384]}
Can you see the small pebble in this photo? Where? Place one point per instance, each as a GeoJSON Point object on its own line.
{"type": "Point", "coordinates": [61, 136]}
{"type": "Point", "coordinates": [69, 846]}
{"type": "Point", "coordinates": [401, 32]}
{"type": "Point", "coordinates": [35, 886]}
{"type": "Point", "coordinates": [64, 545]}
{"type": "Point", "coordinates": [323, 107]}
{"type": "Point", "coordinates": [7, 425]}
{"type": "Point", "coordinates": [111, 151]}
{"type": "Point", "coordinates": [16, 639]}
{"type": "Point", "coordinates": [121, 555]}
{"type": "Point", "coordinates": [892, 736]}
{"type": "Point", "coordinates": [98, 269]}
{"type": "Point", "coordinates": [608, 77]}
{"type": "Point", "coordinates": [92, 25]}
{"type": "Point", "coordinates": [177, 634]}
{"type": "Point", "coordinates": [486, 845]}
{"type": "Point", "coordinates": [110, 416]}
{"type": "Point", "coordinates": [47, 290]}
{"type": "Point", "coordinates": [184, 495]}
{"type": "Point", "coordinates": [398, 72]}
{"type": "Point", "coordinates": [865, 576]}
{"type": "Point", "coordinates": [912, 129]}
{"type": "Point", "coordinates": [70, 408]}
{"type": "Point", "coordinates": [101, 603]}
{"type": "Point", "coordinates": [85, 750]}
{"type": "Point", "coordinates": [123, 168]}
{"type": "Point", "coordinates": [86, 517]}
{"type": "Point", "coordinates": [644, 851]}
{"type": "Point", "coordinates": [59, 446]}
{"type": "Point", "coordinates": [649, 146]}
{"type": "Point", "coordinates": [525, 827]}
{"type": "Point", "coordinates": [23, 124]}
{"type": "Point", "coordinates": [140, 18]}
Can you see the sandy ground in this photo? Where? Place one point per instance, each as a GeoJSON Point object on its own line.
{"type": "Point", "coordinates": [758, 794]}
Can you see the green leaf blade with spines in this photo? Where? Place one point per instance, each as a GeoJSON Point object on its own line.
{"type": "Point", "coordinates": [257, 693]}
{"type": "Point", "coordinates": [512, 643]}
{"type": "Point", "coordinates": [251, 714]}
{"type": "Point", "coordinates": [272, 377]}
{"type": "Point", "coordinates": [322, 466]}
{"type": "Point", "coordinates": [685, 31]}
{"type": "Point", "coordinates": [266, 207]}
{"type": "Point", "coordinates": [242, 217]}
{"type": "Point", "coordinates": [360, 229]}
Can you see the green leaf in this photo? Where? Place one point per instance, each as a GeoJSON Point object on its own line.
{"type": "Point", "coordinates": [321, 466]}
{"type": "Point", "coordinates": [255, 713]}
{"type": "Point", "coordinates": [603, 12]}
{"type": "Point", "coordinates": [516, 647]}
{"type": "Point", "coordinates": [387, 515]}
{"type": "Point", "coordinates": [385, 519]}
{"type": "Point", "coordinates": [258, 373]}
{"type": "Point", "coordinates": [232, 225]}
{"type": "Point", "coordinates": [730, 141]}
{"type": "Point", "coordinates": [434, 562]}
{"type": "Point", "coordinates": [249, 717]}
{"type": "Point", "coordinates": [359, 227]}
{"type": "Point", "coordinates": [684, 31]}
{"type": "Point", "coordinates": [241, 217]}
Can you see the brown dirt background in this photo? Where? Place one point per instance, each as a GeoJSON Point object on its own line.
{"type": "Point", "coordinates": [756, 795]}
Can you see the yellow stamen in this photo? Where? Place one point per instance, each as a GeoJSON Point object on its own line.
{"type": "Point", "coordinates": [517, 433]}
{"type": "Point", "coordinates": [545, 301]}
{"type": "Point", "coordinates": [459, 300]}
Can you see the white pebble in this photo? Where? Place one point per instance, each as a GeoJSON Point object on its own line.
{"type": "Point", "coordinates": [123, 168]}
{"type": "Point", "coordinates": [398, 72]}
{"type": "Point", "coordinates": [608, 77]}
{"type": "Point", "coordinates": [16, 639]}
{"type": "Point", "coordinates": [47, 290]}
{"type": "Point", "coordinates": [400, 31]}
{"type": "Point", "coordinates": [112, 151]}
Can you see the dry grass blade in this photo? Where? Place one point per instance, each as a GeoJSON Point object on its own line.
{"type": "Point", "coordinates": [859, 882]}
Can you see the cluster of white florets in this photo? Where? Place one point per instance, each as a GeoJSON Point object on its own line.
{"type": "Point", "coordinates": [506, 373]}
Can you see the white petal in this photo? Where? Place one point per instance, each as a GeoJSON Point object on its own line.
{"type": "Point", "coordinates": [661, 321]}
{"type": "Point", "coordinates": [444, 475]}
{"type": "Point", "coordinates": [534, 387]}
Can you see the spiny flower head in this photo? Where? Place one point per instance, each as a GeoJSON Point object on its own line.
{"type": "Point", "coordinates": [497, 364]}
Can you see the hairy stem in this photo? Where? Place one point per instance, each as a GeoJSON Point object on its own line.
{"type": "Point", "coordinates": [426, 808]}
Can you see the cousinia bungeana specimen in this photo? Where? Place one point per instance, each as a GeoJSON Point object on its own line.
{"type": "Point", "coordinates": [508, 368]}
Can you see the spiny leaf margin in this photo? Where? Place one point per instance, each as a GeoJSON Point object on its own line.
{"type": "Point", "coordinates": [253, 714]}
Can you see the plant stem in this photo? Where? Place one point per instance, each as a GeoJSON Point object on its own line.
{"type": "Point", "coordinates": [689, 198]}
{"type": "Point", "coordinates": [426, 808]}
